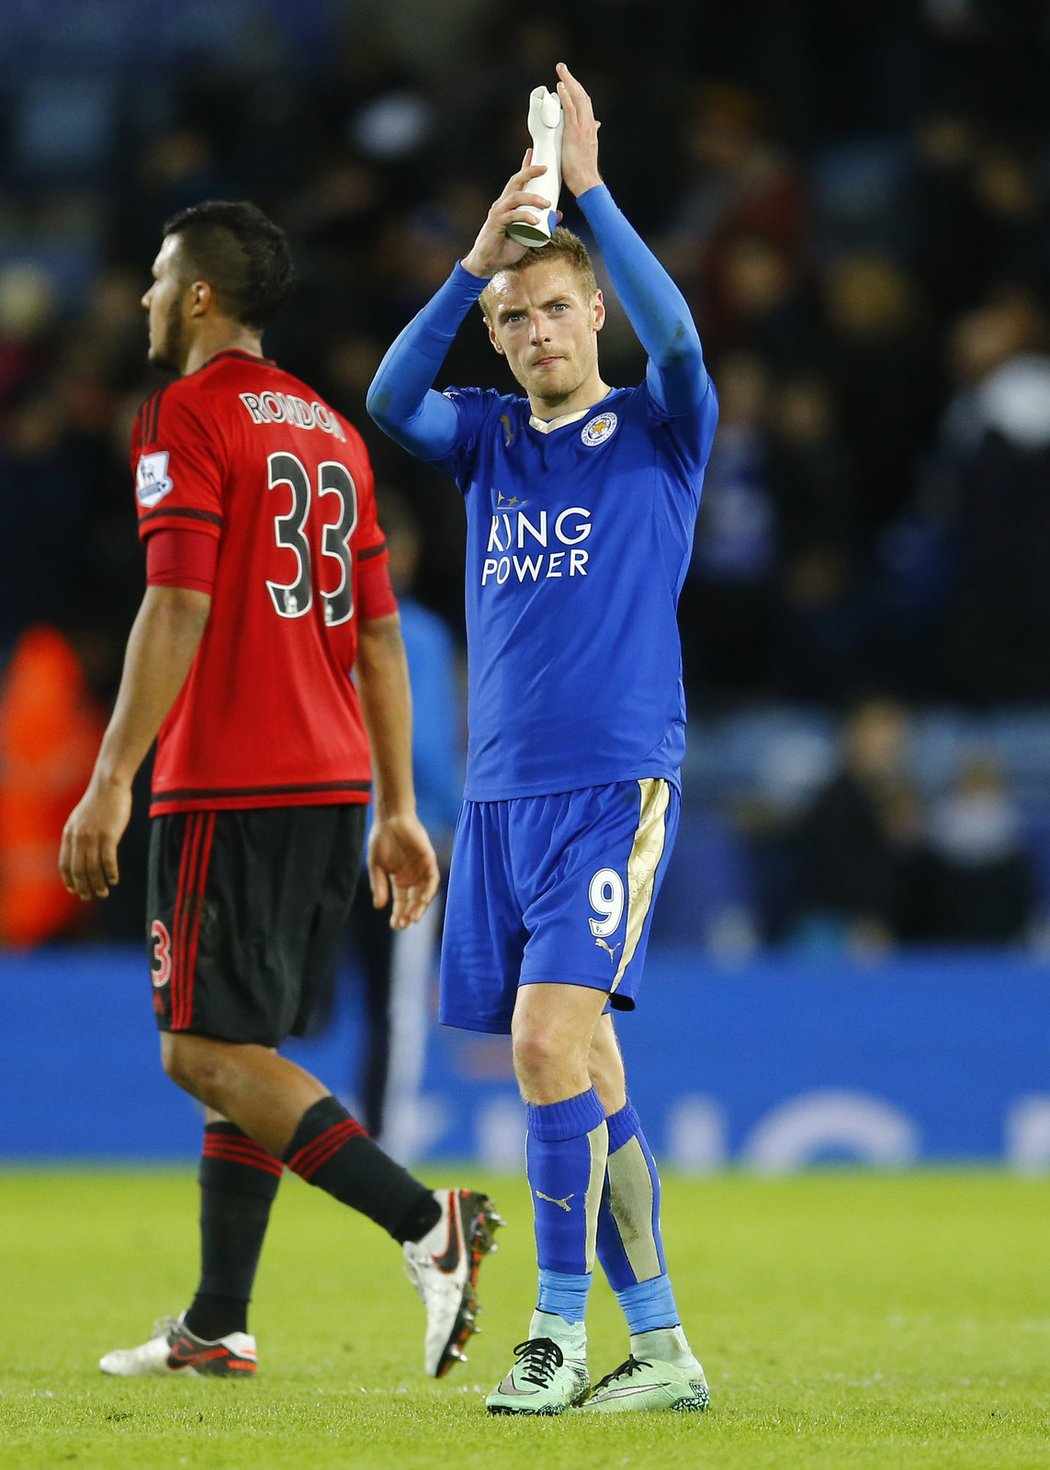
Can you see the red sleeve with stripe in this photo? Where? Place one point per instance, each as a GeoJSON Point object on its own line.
{"type": "Point", "coordinates": [176, 461]}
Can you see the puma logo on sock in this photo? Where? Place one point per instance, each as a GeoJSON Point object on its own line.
{"type": "Point", "coordinates": [563, 1204]}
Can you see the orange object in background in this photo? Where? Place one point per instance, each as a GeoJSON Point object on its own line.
{"type": "Point", "coordinates": [50, 728]}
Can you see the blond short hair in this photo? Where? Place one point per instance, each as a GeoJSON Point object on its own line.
{"type": "Point", "coordinates": [564, 245]}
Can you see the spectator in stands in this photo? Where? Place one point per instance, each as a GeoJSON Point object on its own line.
{"type": "Point", "coordinates": [941, 209]}
{"type": "Point", "coordinates": [812, 479]}
{"type": "Point", "coordinates": [27, 314]}
{"type": "Point", "coordinates": [975, 883]}
{"type": "Point", "coordinates": [996, 623]}
{"type": "Point", "coordinates": [854, 843]}
{"type": "Point", "coordinates": [43, 514]}
{"type": "Point", "coordinates": [727, 611]}
{"type": "Point", "coordinates": [883, 377]}
{"type": "Point", "coordinates": [738, 181]}
{"type": "Point", "coordinates": [762, 302]}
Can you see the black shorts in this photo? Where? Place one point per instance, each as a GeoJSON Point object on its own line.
{"type": "Point", "coordinates": [244, 913]}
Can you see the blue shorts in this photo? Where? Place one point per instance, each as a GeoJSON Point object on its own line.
{"type": "Point", "coordinates": [553, 888]}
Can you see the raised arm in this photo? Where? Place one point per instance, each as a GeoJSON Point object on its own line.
{"type": "Point", "coordinates": [655, 307]}
{"type": "Point", "coordinates": [401, 399]}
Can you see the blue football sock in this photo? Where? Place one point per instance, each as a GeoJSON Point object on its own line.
{"type": "Point", "coordinates": [565, 1159]}
{"type": "Point", "coordinates": [629, 1242]}
{"type": "Point", "coordinates": [565, 1294]}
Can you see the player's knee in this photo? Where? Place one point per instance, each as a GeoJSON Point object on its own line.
{"type": "Point", "coordinates": [177, 1059]}
{"type": "Point", "coordinates": [544, 1057]}
{"type": "Point", "coordinates": [194, 1064]}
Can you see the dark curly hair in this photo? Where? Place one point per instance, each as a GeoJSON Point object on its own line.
{"type": "Point", "coordinates": [241, 253]}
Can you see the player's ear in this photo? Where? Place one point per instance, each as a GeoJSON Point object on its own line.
{"type": "Point", "coordinates": [494, 339]}
{"type": "Point", "coordinates": [598, 311]}
{"type": "Point", "coordinates": [202, 298]}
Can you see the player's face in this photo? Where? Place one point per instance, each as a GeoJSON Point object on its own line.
{"type": "Point", "coordinates": [165, 301]}
{"type": "Point", "coordinates": [545, 321]}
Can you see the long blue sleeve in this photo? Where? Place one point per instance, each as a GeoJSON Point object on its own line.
{"type": "Point", "coordinates": [654, 305]}
{"type": "Point", "coordinates": [402, 399]}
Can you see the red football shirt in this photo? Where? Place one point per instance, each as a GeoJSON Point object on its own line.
{"type": "Point", "coordinates": [269, 715]}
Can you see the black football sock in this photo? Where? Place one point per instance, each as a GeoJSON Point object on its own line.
{"type": "Point", "coordinates": [238, 1181]}
{"type": "Point", "coordinates": [332, 1150]}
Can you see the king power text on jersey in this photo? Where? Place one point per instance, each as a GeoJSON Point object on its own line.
{"type": "Point", "coordinates": [524, 548]}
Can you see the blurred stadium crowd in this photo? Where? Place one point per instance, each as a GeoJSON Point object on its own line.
{"type": "Point", "coordinates": [856, 201]}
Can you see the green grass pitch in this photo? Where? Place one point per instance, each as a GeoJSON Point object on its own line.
{"type": "Point", "coordinates": [845, 1320]}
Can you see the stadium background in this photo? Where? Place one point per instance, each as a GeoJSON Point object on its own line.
{"type": "Point", "coordinates": [857, 202]}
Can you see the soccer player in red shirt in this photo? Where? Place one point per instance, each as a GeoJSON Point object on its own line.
{"type": "Point", "coordinates": [267, 584]}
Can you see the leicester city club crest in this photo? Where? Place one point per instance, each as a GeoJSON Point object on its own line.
{"type": "Point", "coordinates": [597, 430]}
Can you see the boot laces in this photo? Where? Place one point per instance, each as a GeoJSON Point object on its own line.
{"type": "Point", "coordinates": [540, 1356]}
{"type": "Point", "coordinates": [625, 1370]}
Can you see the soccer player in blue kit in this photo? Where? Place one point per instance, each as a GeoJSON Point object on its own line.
{"type": "Point", "coordinates": [581, 501]}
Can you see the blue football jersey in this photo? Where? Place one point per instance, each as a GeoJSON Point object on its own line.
{"type": "Point", "coordinates": [579, 534]}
